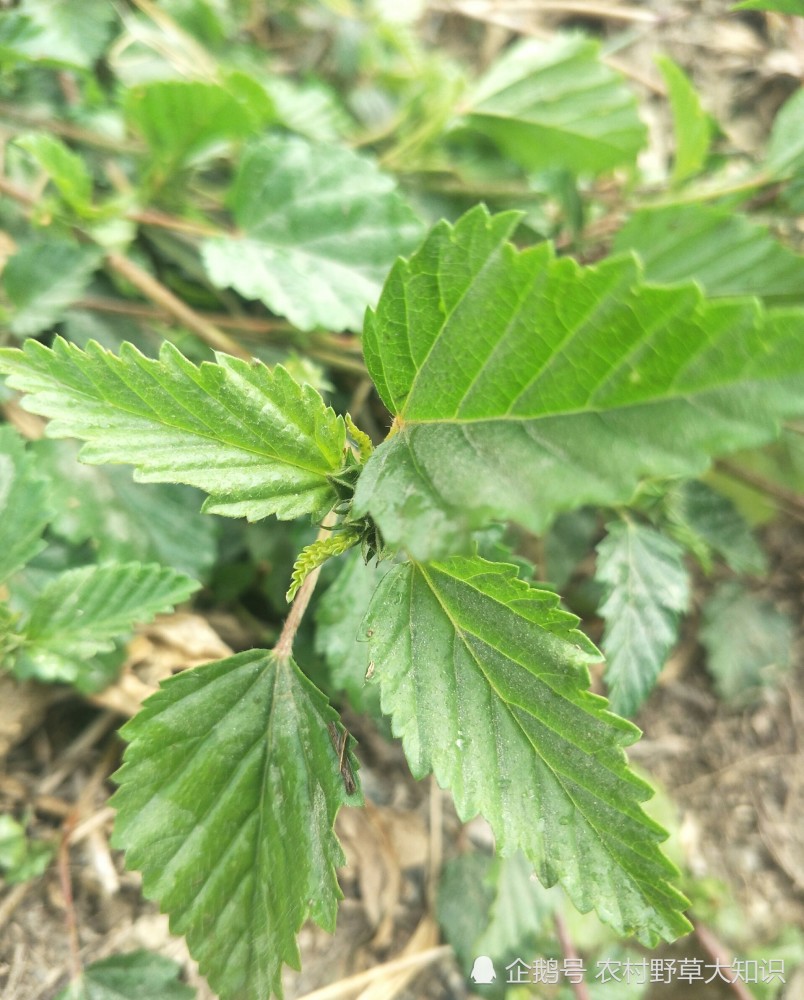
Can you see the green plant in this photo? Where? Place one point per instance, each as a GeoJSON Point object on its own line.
{"type": "Point", "coordinates": [522, 387]}
{"type": "Point", "coordinates": [60, 622]}
{"type": "Point", "coordinates": [483, 674]}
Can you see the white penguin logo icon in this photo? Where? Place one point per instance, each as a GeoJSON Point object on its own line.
{"type": "Point", "coordinates": [483, 970]}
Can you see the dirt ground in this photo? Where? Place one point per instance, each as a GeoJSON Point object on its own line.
{"type": "Point", "coordinates": [735, 775]}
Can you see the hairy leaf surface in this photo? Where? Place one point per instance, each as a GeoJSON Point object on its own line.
{"type": "Point", "coordinates": [485, 679]}
{"type": "Point", "coordinates": [492, 906]}
{"type": "Point", "coordinates": [726, 252]}
{"type": "Point", "coordinates": [706, 522]}
{"type": "Point", "coordinates": [80, 613]}
{"type": "Point", "coordinates": [646, 591]}
{"type": "Point", "coordinates": [55, 36]}
{"type": "Point", "coordinates": [523, 385]}
{"type": "Point", "coordinates": [229, 791]}
{"type": "Point", "coordinates": [747, 639]}
{"type": "Point", "coordinates": [183, 118]}
{"type": "Point", "coordinates": [133, 976]}
{"type": "Point", "coordinates": [322, 227]}
{"type": "Point", "coordinates": [254, 439]}
{"type": "Point", "coordinates": [25, 508]}
{"type": "Point", "coordinates": [43, 279]}
{"type": "Point", "coordinates": [556, 104]}
{"type": "Point", "coordinates": [125, 521]}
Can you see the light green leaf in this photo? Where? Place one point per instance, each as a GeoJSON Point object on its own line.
{"type": "Point", "coordinates": [309, 107]}
{"type": "Point", "coordinates": [338, 616]}
{"type": "Point", "coordinates": [647, 589]}
{"type": "Point", "coordinates": [67, 170]}
{"type": "Point", "coordinates": [691, 124]}
{"type": "Point", "coordinates": [780, 6]}
{"type": "Point", "coordinates": [485, 679]}
{"type": "Point", "coordinates": [512, 374]}
{"type": "Point", "coordinates": [786, 147]}
{"type": "Point", "coordinates": [556, 104]}
{"type": "Point", "coordinates": [255, 440]}
{"type": "Point", "coordinates": [126, 521]}
{"type": "Point", "coordinates": [321, 226]}
{"type": "Point", "coordinates": [705, 521]}
{"type": "Point", "coordinates": [464, 899]}
{"type": "Point", "coordinates": [725, 252]}
{"type": "Point", "coordinates": [25, 506]}
{"type": "Point", "coordinates": [519, 909]}
{"type": "Point", "coordinates": [43, 279]}
{"type": "Point", "coordinates": [228, 796]}
{"type": "Point", "coordinates": [21, 859]}
{"type": "Point", "coordinates": [182, 119]}
{"type": "Point", "coordinates": [53, 34]}
{"type": "Point", "coordinates": [133, 976]}
{"type": "Point", "coordinates": [80, 613]}
{"type": "Point", "coordinates": [495, 907]}
{"type": "Point", "coordinates": [748, 641]}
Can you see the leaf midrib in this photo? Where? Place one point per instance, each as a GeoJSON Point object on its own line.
{"type": "Point", "coordinates": [560, 778]}
{"type": "Point", "coordinates": [559, 129]}
{"type": "Point", "coordinates": [690, 397]}
{"type": "Point", "coordinates": [72, 391]}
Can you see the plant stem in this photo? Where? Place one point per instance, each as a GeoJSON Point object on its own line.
{"type": "Point", "coordinates": [67, 893]}
{"type": "Point", "coordinates": [789, 500]}
{"type": "Point", "coordinates": [580, 989]}
{"type": "Point", "coordinates": [284, 645]}
{"type": "Point", "coordinates": [715, 950]}
{"type": "Point", "coordinates": [73, 132]}
{"type": "Point", "coordinates": [154, 290]}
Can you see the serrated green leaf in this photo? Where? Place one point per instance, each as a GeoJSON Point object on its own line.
{"type": "Point", "coordinates": [780, 6]}
{"type": "Point", "coordinates": [725, 252]}
{"type": "Point", "coordinates": [338, 616]}
{"type": "Point", "coordinates": [53, 34]}
{"type": "Point", "coordinates": [321, 226]}
{"type": "Point", "coordinates": [556, 104]}
{"type": "Point", "coordinates": [786, 147]}
{"type": "Point", "coordinates": [80, 613]}
{"type": "Point", "coordinates": [748, 641]}
{"type": "Point", "coordinates": [513, 374]}
{"type": "Point", "coordinates": [126, 521]}
{"type": "Point", "coordinates": [229, 791]}
{"type": "Point", "coordinates": [708, 521]}
{"type": "Point", "coordinates": [182, 119]}
{"type": "Point", "coordinates": [25, 507]}
{"type": "Point", "coordinates": [692, 126]}
{"type": "Point", "coordinates": [485, 679]}
{"type": "Point", "coordinates": [42, 279]}
{"type": "Point", "coordinates": [646, 591]}
{"type": "Point", "coordinates": [254, 439]}
{"type": "Point", "coordinates": [137, 975]}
